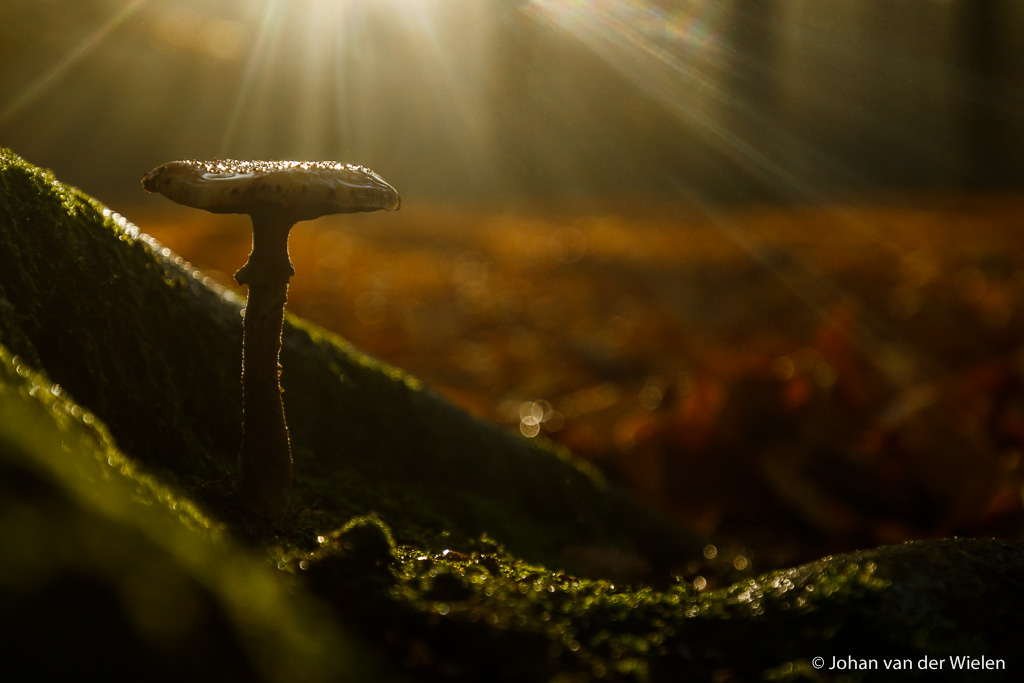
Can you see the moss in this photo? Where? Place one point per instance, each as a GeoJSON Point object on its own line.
{"type": "Point", "coordinates": [115, 571]}
{"type": "Point", "coordinates": [99, 311]}
{"type": "Point", "coordinates": [462, 613]}
{"type": "Point", "coordinates": [420, 537]}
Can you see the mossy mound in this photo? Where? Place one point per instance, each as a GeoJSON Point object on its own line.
{"type": "Point", "coordinates": [131, 331]}
{"type": "Point", "coordinates": [109, 571]}
{"type": "Point", "coordinates": [422, 543]}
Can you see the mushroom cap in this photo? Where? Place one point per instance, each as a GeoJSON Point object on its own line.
{"type": "Point", "coordinates": [300, 190]}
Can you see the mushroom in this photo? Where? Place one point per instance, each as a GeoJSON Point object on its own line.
{"type": "Point", "coordinates": [275, 195]}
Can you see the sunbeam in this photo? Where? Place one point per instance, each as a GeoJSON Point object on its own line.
{"type": "Point", "coordinates": [681, 60]}
{"type": "Point", "coordinates": [676, 58]}
{"type": "Point", "coordinates": [322, 78]}
{"type": "Point", "coordinates": [255, 64]}
{"type": "Point", "coordinates": [52, 76]}
{"type": "Point", "coordinates": [439, 45]}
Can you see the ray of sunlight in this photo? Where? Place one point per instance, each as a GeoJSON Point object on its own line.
{"type": "Point", "coordinates": [52, 76]}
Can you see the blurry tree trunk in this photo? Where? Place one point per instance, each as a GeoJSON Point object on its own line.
{"type": "Point", "coordinates": [984, 71]}
{"type": "Point", "coordinates": [752, 73]}
{"type": "Point", "coordinates": [751, 78]}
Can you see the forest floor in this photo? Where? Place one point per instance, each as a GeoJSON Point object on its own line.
{"type": "Point", "coordinates": [794, 380]}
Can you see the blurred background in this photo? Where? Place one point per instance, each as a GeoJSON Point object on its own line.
{"type": "Point", "coordinates": [759, 261]}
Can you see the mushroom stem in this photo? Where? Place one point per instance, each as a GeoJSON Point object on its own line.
{"type": "Point", "coordinates": [276, 195]}
{"type": "Point", "coordinates": [265, 460]}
